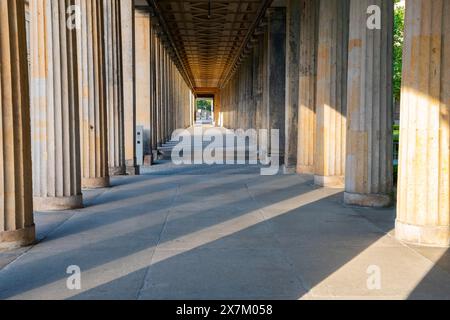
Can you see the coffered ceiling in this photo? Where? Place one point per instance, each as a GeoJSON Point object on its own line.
{"type": "Point", "coordinates": [209, 36]}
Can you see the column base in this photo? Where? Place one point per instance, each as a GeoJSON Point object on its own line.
{"type": "Point", "coordinates": [148, 160]}
{"type": "Point", "coordinates": [96, 183]}
{"type": "Point", "coordinates": [367, 200]}
{"type": "Point", "coordinates": [337, 182]}
{"type": "Point", "coordinates": [17, 238]}
{"type": "Point", "coordinates": [432, 236]}
{"type": "Point", "coordinates": [305, 169]}
{"type": "Point", "coordinates": [57, 203]}
{"type": "Point", "coordinates": [289, 169]}
{"type": "Point", "coordinates": [132, 171]}
{"type": "Point", "coordinates": [117, 171]}
{"type": "Point", "coordinates": [154, 155]}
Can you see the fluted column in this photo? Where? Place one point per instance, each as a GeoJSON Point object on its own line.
{"type": "Point", "coordinates": [16, 205]}
{"type": "Point", "coordinates": [166, 94]}
{"type": "Point", "coordinates": [143, 81]}
{"type": "Point", "coordinates": [154, 97]}
{"type": "Point", "coordinates": [54, 108]}
{"type": "Point", "coordinates": [307, 86]}
{"type": "Point", "coordinates": [369, 173]}
{"type": "Point", "coordinates": [159, 89]}
{"type": "Point", "coordinates": [163, 93]}
{"type": "Point", "coordinates": [276, 64]}
{"type": "Point", "coordinates": [93, 112]}
{"type": "Point", "coordinates": [129, 84]}
{"type": "Point", "coordinates": [331, 93]}
{"type": "Point", "coordinates": [292, 83]}
{"type": "Point", "coordinates": [114, 86]}
{"type": "Point", "coordinates": [423, 212]}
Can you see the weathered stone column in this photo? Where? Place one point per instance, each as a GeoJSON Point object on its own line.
{"type": "Point", "coordinates": [159, 89]}
{"type": "Point", "coordinates": [423, 213]}
{"type": "Point", "coordinates": [16, 205]}
{"type": "Point", "coordinates": [265, 76]}
{"type": "Point", "coordinates": [369, 173]}
{"type": "Point", "coordinates": [143, 79]}
{"type": "Point", "coordinates": [307, 86]}
{"type": "Point", "coordinates": [114, 86]}
{"type": "Point", "coordinates": [331, 98]}
{"type": "Point", "coordinates": [129, 84]}
{"type": "Point", "coordinates": [292, 83]}
{"type": "Point", "coordinates": [154, 95]}
{"type": "Point", "coordinates": [93, 111]}
{"type": "Point", "coordinates": [54, 107]}
{"type": "Point", "coordinates": [276, 64]}
{"type": "Point", "coordinates": [165, 94]}
{"type": "Point", "coordinates": [258, 77]}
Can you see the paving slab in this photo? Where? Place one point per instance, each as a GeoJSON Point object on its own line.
{"type": "Point", "coordinates": [221, 232]}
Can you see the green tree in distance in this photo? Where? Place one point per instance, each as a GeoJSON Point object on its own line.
{"type": "Point", "coordinates": [399, 26]}
{"type": "Point", "coordinates": [204, 104]}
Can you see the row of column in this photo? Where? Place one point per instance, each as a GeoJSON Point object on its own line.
{"type": "Point", "coordinates": [166, 102]}
{"type": "Point", "coordinates": [68, 111]}
{"type": "Point", "coordinates": [341, 70]}
{"type": "Point", "coordinates": [331, 114]}
{"type": "Point", "coordinates": [255, 95]}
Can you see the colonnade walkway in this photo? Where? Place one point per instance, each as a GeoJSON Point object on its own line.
{"type": "Point", "coordinates": [221, 232]}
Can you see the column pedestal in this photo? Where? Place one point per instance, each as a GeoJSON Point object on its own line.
{"type": "Point", "coordinates": [96, 183]}
{"type": "Point", "coordinates": [57, 203]}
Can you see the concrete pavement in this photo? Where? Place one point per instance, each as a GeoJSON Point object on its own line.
{"type": "Point", "coordinates": [221, 232]}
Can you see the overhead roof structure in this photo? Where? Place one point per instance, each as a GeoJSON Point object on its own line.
{"type": "Point", "coordinates": [208, 36]}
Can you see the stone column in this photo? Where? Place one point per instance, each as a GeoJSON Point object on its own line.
{"type": "Point", "coordinates": [331, 98]}
{"type": "Point", "coordinates": [114, 86]}
{"type": "Point", "coordinates": [167, 95]}
{"type": "Point", "coordinates": [143, 78]}
{"type": "Point", "coordinates": [173, 103]}
{"type": "Point", "coordinates": [16, 205]}
{"type": "Point", "coordinates": [54, 107]}
{"type": "Point", "coordinates": [159, 89]}
{"type": "Point", "coordinates": [258, 78]}
{"type": "Point", "coordinates": [129, 84]}
{"type": "Point", "coordinates": [292, 83]}
{"type": "Point", "coordinates": [164, 93]}
{"type": "Point", "coordinates": [93, 107]}
{"type": "Point", "coordinates": [276, 65]}
{"type": "Point", "coordinates": [265, 76]}
{"type": "Point", "coordinates": [155, 95]}
{"type": "Point", "coordinates": [307, 86]}
{"type": "Point", "coordinates": [369, 173]}
{"type": "Point", "coordinates": [423, 211]}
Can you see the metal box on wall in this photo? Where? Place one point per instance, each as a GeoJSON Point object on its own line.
{"type": "Point", "coordinates": [140, 145]}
